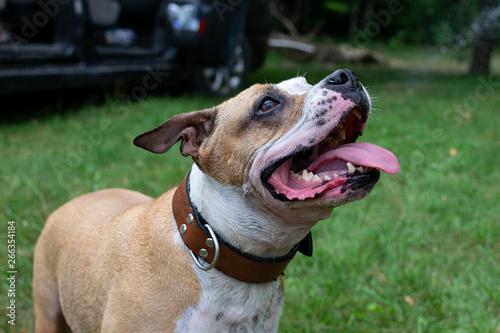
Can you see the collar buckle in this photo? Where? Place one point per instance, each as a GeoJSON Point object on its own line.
{"type": "Point", "coordinates": [210, 242]}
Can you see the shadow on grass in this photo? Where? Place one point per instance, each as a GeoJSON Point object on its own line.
{"type": "Point", "coordinates": [20, 108]}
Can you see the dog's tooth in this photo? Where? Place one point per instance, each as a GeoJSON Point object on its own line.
{"type": "Point", "coordinates": [335, 175]}
{"type": "Point", "coordinates": [342, 133]}
{"type": "Point", "coordinates": [361, 169]}
{"type": "Point", "coordinates": [351, 168]}
{"type": "Point", "coordinates": [357, 113]}
{"type": "Point", "coordinates": [316, 178]}
{"type": "Point", "coordinates": [327, 178]}
{"type": "Point", "coordinates": [306, 175]}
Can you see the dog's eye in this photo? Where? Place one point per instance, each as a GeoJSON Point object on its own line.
{"type": "Point", "coordinates": [267, 105]}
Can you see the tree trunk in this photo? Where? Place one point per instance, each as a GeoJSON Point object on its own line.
{"type": "Point", "coordinates": [487, 35]}
{"type": "Point", "coordinates": [370, 6]}
{"type": "Point", "coordinates": [354, 21]}
{"type": "Point", "coordinates": [482, 55]}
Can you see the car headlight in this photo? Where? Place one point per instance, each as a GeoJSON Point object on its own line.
{"type": "Point", "coordinates": [184, 18]}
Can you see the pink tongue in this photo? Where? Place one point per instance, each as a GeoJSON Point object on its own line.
{"type": "Point", "coordinates": [362, 154]}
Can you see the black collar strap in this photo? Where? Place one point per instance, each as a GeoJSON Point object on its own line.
{"type": "Point", "coordinates": [204, 243]}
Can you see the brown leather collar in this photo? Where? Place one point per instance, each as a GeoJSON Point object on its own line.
{"type": "Point", "coordinates": [204, 243]}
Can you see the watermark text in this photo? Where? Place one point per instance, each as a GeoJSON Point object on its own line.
{"type": "Point", "coordinates": [11, 272]}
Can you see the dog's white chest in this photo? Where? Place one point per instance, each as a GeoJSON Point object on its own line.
{"type": "Point", "coordinates": [227, 305]}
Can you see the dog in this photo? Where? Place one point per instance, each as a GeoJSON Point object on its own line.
{"type": "Point", "coordinates": [209, 255]}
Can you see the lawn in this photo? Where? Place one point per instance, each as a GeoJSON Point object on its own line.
{"type": "Point", "coordinates": [419, 254]}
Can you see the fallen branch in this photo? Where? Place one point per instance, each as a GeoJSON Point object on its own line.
{"type": "Point", "coordinates": [291, 44]}
{"type": "Point", "coordinates": [295, 48]}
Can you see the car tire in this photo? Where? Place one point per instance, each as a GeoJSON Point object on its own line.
{"type": "Point", "coordinates": [228, 79]}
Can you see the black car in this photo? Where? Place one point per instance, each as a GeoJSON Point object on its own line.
{"type": "Point", "coordinates": [54, 44]}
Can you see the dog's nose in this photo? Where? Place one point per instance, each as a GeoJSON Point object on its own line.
{"type": "Point", "coordinates": [343, 77]}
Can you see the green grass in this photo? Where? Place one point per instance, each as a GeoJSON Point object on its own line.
{"type": "Point", "coordinates": [420, 254]}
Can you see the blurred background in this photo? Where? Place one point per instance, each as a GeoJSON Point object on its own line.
{"type": "Point", "coordinates": [212, 46]}
{"type": "Point", "coordinates": [79, 79]}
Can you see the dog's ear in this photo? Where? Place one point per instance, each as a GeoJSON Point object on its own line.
{"type": "Point", "coordinates": [192, 128]}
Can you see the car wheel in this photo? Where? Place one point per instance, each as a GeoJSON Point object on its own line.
{"type": "Point", "coordinates": [229, 79]}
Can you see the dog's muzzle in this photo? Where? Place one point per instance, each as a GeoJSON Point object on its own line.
{"type": "Point", "coordinates": [330, 163]}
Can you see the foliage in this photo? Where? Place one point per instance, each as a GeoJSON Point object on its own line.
{"type": "Point", "coordinates": [443, 23]}
{"type": "Point", "coordinates": [337, 6]}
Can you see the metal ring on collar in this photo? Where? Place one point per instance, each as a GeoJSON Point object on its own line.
{"type": "Point", "coordinates": [217, 252]}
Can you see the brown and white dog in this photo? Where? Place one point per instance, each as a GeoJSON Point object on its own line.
{"type": "Point", "coordinates": [269, 164]}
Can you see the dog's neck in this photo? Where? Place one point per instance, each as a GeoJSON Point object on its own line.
{"type": "Point", "coordinates": [239, 221]}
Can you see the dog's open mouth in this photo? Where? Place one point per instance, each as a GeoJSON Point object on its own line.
{"type": "Point", "coordinates": [334, 165]}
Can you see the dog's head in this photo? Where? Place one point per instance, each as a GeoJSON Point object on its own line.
{"type": "Point", "coordinates": [288, 145]}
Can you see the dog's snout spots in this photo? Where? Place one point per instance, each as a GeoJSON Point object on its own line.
{"type": "Point", "coordinates": [219, 316]}
{"type": "Point", "coordinates": [320, 122]}
{"type": "Point", "coordinates": [327, 107]}
{"type": "Point", "coordinates": [329, 100]}
{"type": "Point", "coordinates": [321, 112]}
{"type": "Point", "coordinates": [320, 117]}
